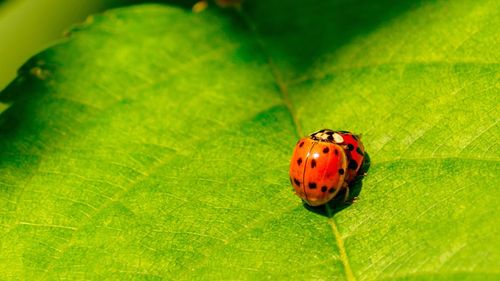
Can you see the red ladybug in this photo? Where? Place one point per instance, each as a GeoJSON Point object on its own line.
{"type": "Point", "coordinates": [324, 163]}
{"type": "Point", "coordinates": [318, 167]}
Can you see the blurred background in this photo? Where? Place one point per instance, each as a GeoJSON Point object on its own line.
{"type": "Point", "coordinates": [29, 26]}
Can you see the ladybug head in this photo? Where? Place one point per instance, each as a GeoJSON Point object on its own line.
{"type": "Point", "coordinates": [327, 135]}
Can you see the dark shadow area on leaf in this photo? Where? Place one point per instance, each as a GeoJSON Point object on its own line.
{"type": "Point", "coordinates": [337, 204]}
{"type": "Point", "coordinates": [23, 93]}
{"type": "Point", "coordinates": [19, 130]}
{"type": "Point", "coordinates": [24, 132]}
{"type": "Point", "coordinates": [302, 32]}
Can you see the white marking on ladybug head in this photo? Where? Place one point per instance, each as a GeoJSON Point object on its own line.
{"type": "Point", "coordinates": [338, 138]}
{"type": "Point", "coordinates": [321, 136]}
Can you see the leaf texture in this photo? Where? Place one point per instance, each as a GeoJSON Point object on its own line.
{"type": "Point", "coordinates": [154, 144]}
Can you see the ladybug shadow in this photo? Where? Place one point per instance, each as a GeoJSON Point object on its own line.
{"type": "Point", "coordinates": [338, 204]}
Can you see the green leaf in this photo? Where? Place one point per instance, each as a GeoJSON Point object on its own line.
{"type": "Point", "coordinates": [154, 144]}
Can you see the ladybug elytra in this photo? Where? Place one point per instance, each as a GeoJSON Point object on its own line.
{"type": "Point", "coordinates": [324, 163]}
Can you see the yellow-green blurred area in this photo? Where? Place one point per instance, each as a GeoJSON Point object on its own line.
{"type": "Point", "coordinates": [28, 26]}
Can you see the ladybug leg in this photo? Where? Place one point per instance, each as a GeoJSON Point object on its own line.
{"type": "Point", "coordinates": [346, 196]}
{"type": "Point", "coordinates": [361, 175]}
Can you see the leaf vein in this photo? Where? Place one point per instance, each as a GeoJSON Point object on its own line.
{"type": "Point", "coordinates": [62, 249]}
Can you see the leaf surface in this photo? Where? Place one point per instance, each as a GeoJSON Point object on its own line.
{"type": "Point", "coordinates": [154, 144]}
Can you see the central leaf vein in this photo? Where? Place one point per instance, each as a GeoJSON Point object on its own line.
{"type": "Point", "coordinates": [283, 89]}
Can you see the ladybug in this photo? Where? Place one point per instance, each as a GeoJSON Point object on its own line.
{"type": "Point", "coordinates": [355, 153]}
{"type": "Point", "coordinates": [324, 163]}
{"type": "Point", "coordinates": [318, 167]}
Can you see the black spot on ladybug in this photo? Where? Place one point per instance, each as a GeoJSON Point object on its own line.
{"type": "Point", "coordinates": [301, 144]}
{"type": "Point", "coordinates": [313, 163]}
{"type": "Point", "coordinates": [312, 185]}
{"type": "Point", "coordinates": [353, 165]}
{"type": "Point", "coordinates": [326, 150]}
{"type": "Point", "coordinates": [336, 152]}
{"type": "Point", "coordinates": [296, 181]}
{"type": "Point", "coordinates": [359, 151]}
{"type": "Point", "coordinates": [350, 147]}
{"type": "Point", "coordinates": [330, 137]}
{"type": "Point", "coordinates": [341, 171]}
{"type": "Point", "coordinates": [331, 190]}
{"type": "Point", "coordinates": [323, 188]}
{"type": "Point", "coordinates": [299, 161]}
